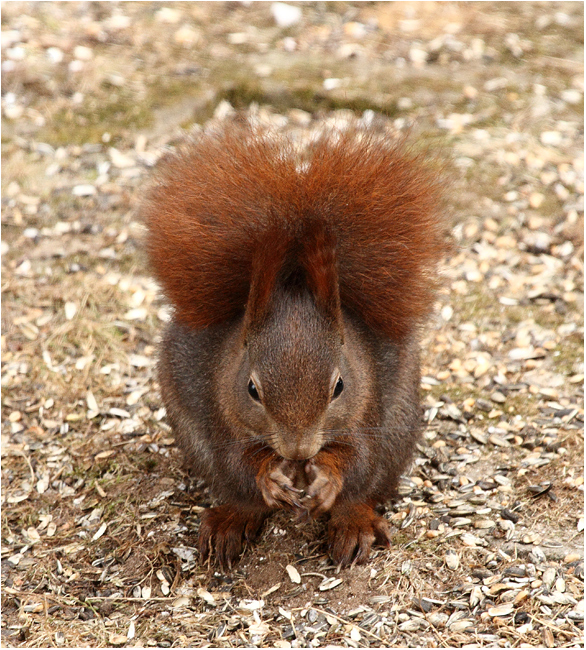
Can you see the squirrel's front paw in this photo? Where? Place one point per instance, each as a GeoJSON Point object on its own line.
{"type": "Point", "coordinates": [275, 481]}
{"type": "Point", "coordinates": [325, 483]}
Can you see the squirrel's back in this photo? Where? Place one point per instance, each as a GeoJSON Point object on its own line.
{"type": "Point", "coordinates": [232, 205]}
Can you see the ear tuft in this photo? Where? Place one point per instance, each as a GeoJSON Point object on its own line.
{"type": "Point", "coordinates": [267, 264]}
{"type": "Point", "coordinates": [320, 263]}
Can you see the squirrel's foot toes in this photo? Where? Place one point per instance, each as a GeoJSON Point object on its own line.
{"type": "Point", "coordinates": [275, 482]}
{"type": "Point", "coordinates": [224, 529]}
{"type": "Point", "coordinates": [353, 529]}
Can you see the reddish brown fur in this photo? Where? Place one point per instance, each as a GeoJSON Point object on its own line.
{"type": "Point", "coordinates": [299, 272]}
{"type": "Point", "coordinates": [240, 192]}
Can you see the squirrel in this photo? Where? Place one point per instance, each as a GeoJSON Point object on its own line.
{"type": "Point", "coordinates": [299, 278]}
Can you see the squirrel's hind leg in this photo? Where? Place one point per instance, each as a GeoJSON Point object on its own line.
{"type": "Point", "coordinates": [224, 529]}
{"type": "Point", "coordinates": [353, 529]}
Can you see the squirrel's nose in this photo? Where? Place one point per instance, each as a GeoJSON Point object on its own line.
{"type": "Point", "coordinates": [300, 449]}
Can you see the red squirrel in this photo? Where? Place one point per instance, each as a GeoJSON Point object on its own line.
{"type": "Point", "coordinates": [299, 277]}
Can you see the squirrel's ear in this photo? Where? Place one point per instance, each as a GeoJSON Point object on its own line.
{"type": "Point", "coordinates": [268, 260]}
{"type": "Point", "coordinates": [321, 267]}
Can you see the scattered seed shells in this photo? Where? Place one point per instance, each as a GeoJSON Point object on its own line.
{"type": "Point", "coordinates": [293, 574]}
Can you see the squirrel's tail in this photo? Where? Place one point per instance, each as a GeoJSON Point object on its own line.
{"type": "Point", "coordinates": [360, 214]}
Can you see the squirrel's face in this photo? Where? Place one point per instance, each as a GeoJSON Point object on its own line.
{"type": "Point", "coordinates": [295, 383]}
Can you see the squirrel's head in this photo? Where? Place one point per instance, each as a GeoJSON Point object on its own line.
{"type": "Point", "coordinates": [297, 383]}
{"type": "Point", "coordinates": [298, 379]}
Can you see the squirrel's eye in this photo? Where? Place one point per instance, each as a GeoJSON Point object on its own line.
{"type": "Point", "coordinates": [252, 391]}
{"type": "Point", "coordinates": [339, 387]}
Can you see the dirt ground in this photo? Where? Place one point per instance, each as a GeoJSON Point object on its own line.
{"type": "Point", "coordinates": [99, 524]}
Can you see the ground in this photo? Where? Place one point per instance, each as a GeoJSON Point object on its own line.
{"type": "Point", "coordinates": [98, 522]}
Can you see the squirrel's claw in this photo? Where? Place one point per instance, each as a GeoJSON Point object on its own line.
{"type": "Point", "coordinates": [223, 531]}
{"type": "Point", "coordinates": [353, 529]}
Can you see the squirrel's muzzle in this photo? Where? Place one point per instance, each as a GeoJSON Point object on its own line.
{"type": "Point", "coordinates": [299, 449]}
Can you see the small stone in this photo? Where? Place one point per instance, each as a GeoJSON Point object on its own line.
{"type": "Point", "coordinates": [168, 15]}
{"type": "Point", "coordinates": [285, 15]}
{"type": "Point", "coordinates": [404, 103]}
{"type": "Point", "coordinates": [418, 56]}
{"type": "Point", "coordinates": [70, 310]}
{"type": "Point", "coordinates": [223, 110]}
{"type": "Point", "coordinates": [521, 354]}
{"type": "Point", "coordinates": [551, 138]}
{"type": "Point", "coordinates": [537, 242]}
{"type": "Point", "coordinates": [498, 397]}
{"type": "Point", "coordinates": [297, 116]}
{"type": "Point", "coordinates": [481, 369]}
{"type": "Point", "coordinates": [54, 54]}
{"type": "Point", "coordinates": [117, 22]}
{"type": "Point", "coordinates": [83, 53]}
{"type": "Point", "coordinates": [289, 44]}
{"type": "Point", "coordinates": [16, 53]}
{"type": "Point", "coordinates": [84, 190]}
{"type": "Point", "coordinates": [460, 522]}
{"type": "Point", "coordinates": [536, 199]}
{"type": "Point", "coordinates": [10, 37]}
{"type": "Point", "coordinates": [14, 111]}
{"type": "Point", "coordinates": [332, 83]}
{"type": "Point", "coordinates": [115, 80]}
{"type": "Point", "coordinates": [120, 160]}
{"type": "Point", "coordinates": [187, 36]}
{"type": "Point", "coordinates": [572, 96]}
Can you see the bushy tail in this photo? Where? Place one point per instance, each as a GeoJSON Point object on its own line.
{"type": "Point", "coordinates": [360, 214]}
